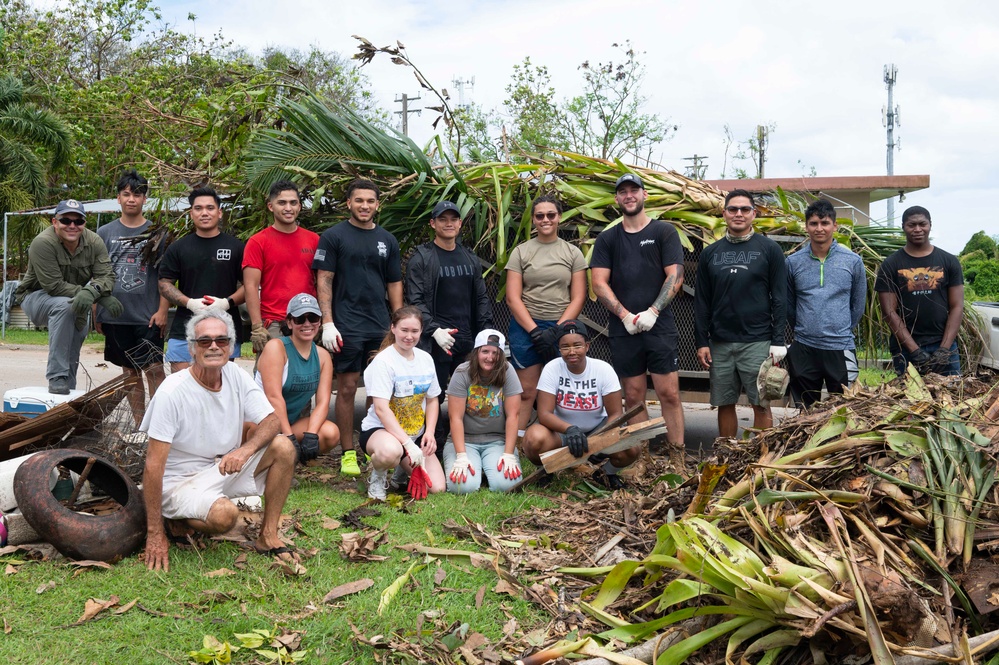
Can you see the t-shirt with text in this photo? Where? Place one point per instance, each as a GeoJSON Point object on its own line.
{"type": "Point", "coordinates": [579, 398]}
{"type": "Point", "coordinates": [921, 284]}
{"type": "Point", "coordinates": [485, 410]}
{"type": "Point", "coordinates": [285, 264]}
{"type": "Point", "coordinates": [455, 295]}
{"type": "Point", "coordinates": [406, 384]}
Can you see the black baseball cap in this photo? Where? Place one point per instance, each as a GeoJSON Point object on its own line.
{"type": "Point", "coordinates": [628, 177]}
{"type": "Point", "coordinates": [572, 327]}
{"type": "Point", "coordinates": [443, 207]}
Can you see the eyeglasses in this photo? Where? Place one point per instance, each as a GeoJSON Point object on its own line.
{"type": "Point", "coordinates": [311, 318]}
{"type": "Point", "coordinates": [569, 348]}
{"type": "Point", "coordinates": [542, 216]}
{"type": "Point", "coordinates": [745, 210]}
{"type": "Point", "coordinates": [206, 342]}
{"type": "Point", "coordinates": [68, 221]}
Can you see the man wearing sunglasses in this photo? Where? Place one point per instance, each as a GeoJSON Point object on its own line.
{"type": "Point", "coordinates": [740, 312]}
{"type": "Point", "coordinates": [68, 271]}
{"type": "Point", "coordinates": [444, 280]}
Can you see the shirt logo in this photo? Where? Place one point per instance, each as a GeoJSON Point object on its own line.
{"type": "Point", "coordinates": [320, 255]}
{"type": "Point", "coordinates": [650, 241]}
{"type": "Point", "coordinates": [382, 249]}
{"type": "Point", "coordinates": [223, 254]}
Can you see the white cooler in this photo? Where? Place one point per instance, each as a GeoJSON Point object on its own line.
{"type": "Point", "coordinates": [34, 400]}
{"type": "Point", "coordinates": [990, 313]}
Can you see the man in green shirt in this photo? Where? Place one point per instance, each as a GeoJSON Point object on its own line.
{"type": "Point", "coordinates": [68, 271]}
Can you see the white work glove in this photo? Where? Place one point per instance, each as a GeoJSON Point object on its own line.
{"type": "Point", "coordinates": [647, 319]}
{"type": "Point", "coordinates": [196, 305]}
{"type": "Point", "coordinates": [413, 452]}
{"type": "Point", "coordinates": [444, 338]}
{"type": "Point", "coordinates": [331, 337]}
{"type": "Point", "coordinates": [778, 353]}
{"type": "Point", "coordinates": [629, 323]}
{"type": "Point", "coordinates": [461, 468]}
{"type": "Point", "coordinates": [217, 303]}
{"type": "Point", "coordinates": [510, 466]}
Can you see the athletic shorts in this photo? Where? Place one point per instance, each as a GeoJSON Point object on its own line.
{"type": "Point", "coordinates": [634, 355]}
{"type": "Point", "coordinates": [355, 355]}
{"type": "Point", "coordinates": [135, 346]}
{"type": "Point", "coordinates": [735, 366]}
{"type": "Point", "coordinates": [810, 368]}
{"type": "Point", "coordinates": [522, 352]}
{"type": "Point", "coordinates": [178, 352]}
{"type": "Point", "coordinates": [193, 496]}
{"type": "Point", "coordinates": [362, 440]}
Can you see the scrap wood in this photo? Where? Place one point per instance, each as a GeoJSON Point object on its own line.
{"type": "Point", "coordinates": [607, 442]}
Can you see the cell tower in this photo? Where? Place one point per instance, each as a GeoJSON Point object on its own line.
{"type": "Point", "coordinates": [459, 85]}
{"type": "Point", "coordinates": [890, 119]}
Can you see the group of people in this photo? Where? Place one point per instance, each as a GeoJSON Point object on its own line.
{"type": "Point", "coordinates": [324, 309]}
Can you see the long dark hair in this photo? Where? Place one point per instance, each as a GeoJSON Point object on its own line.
{"type": "Point", "coordinates": [409, 311]}
{"type": "Point", "coordinates": [478, 376]}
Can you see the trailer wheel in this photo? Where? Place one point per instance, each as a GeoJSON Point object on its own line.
{"type": "Point", "coordinates": [78, 535]}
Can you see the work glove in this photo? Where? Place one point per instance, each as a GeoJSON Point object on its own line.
{"type": "Point", "coordinates": [923, 361]}
{"type": "Point", "coordinates": [80, 320]}
{"type": "Point", "coordinates": [196, 305]}
{"type": "Point", "coordinates": [647, 319]}
{"type": "Point", "coordinates": [413, 452]}
{"type": "Point", "coordinates": [216, 302]}
{"type": "Point", "coordinates": [309, 449]}
{"type": "Point", "coordinates": [778, 353]}
{"type": "Point", "coordinates": [111, 305]}
{"type": "Point", "coordinates": [331, 337]}
{"type": "Point", "coordinates": [259, 337]}
{"type": "Point", "coordinates": [445, 338]}
{"type": "Point", "coordinates": [84, 299]}
{"type": "Point", "coordinates": [510, 466]}
{"type": "Point", "coordinates": [419, 483]}
{"type": "Point", "coordinates": [550, 338]}
{"type": "Point", "coordinates": [461, 468]}
{"type": "Point", "coordinates": [575, 440]}
{"type": "Point", "coordinates": [629, 323]}
{"type": "Point", "coordinates": [538, 342]}
{"type": "Point", "coordinates": [940, 360]}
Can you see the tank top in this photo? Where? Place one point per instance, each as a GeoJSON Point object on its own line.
{"type": "Point", "coordinates": [301, 378]}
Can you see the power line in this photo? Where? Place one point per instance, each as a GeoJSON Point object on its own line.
{"type": "Point", "coordinates": [405, 100]}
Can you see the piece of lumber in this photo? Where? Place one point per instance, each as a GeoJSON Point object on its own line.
{"type": "Point", "coordinates": [610, 441]}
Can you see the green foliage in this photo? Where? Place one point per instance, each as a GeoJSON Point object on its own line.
{"type": "Point", "coordinates": [533, 110]}
{"type": "Point", "coordinates": [980, 242]}
{"type": "Point", "coordinates": [213, 651]}
{"type": "Point", "coordinates": [986, 280]}
{"type": "Point", "coordinates": [474, 124]}
{"type": "Point", "coordinates": [980, 263]}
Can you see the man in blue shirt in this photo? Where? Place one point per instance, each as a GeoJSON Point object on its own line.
{"type": "Point", "coordinates": [826, 289]}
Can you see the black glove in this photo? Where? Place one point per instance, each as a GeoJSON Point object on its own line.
{"type": "Point", "coordinates": [923, 361]}
{"type": "Point", "coordinates": [575, 440]}
{"type": "Point", "coordinates": [550, 338]}
{"type": "Point", "coordinates": [543, 343]}
{"type": "Point", "coordinates": [84, 298]}
{"type": "Point", "coordinates": [294, 442]}
{"type": "Point", "coordinates": [940, 360]}
{"type": "Point", "coordinates": [112, 305]}
{"type": "Point", "coordinates": [309, 449]}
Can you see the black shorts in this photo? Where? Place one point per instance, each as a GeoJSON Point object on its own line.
{"type": "Point", "coordinates": [811, 368]}
{"type": "Point", "coordinates": [132, 346]}
{"type": "Point", "coordinates": [355, 355]}
{"type": "Point", "coordinates": [362, 440]}
{"type": "Point", "coordinates": [634, 355]}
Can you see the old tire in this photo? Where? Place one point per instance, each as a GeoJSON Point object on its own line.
{"type": "Point", "coordinates": [77, 535]}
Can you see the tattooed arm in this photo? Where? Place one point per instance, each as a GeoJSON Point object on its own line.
{"type": "Point", "coordinates": [671, 287]}
{"type": "Point", "coordinates": [173, 295]}
{"type": "Point", "coordinates": [605, 295]}
{"type": "Point", "coordinates": [324, 289]}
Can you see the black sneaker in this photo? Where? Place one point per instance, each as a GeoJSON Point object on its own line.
{"type": "Point", "coordinates": [59, 385]}
{"type": "Point", "coordinates": [611, 481]}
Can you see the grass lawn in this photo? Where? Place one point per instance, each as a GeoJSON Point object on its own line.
{"type": "Point", "coordinates": [262, 596]}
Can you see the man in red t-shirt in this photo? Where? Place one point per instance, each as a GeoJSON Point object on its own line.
{"type": "Point", "coordinates": [277, 264]}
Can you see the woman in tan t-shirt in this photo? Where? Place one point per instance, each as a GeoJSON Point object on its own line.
{"type": "Point", "coordinates": [545, 285]}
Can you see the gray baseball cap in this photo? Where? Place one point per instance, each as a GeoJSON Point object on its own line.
{"type": "Point", "coordinates": [303, 303]}
{"type": "Point", "coordinates": [68, 206]}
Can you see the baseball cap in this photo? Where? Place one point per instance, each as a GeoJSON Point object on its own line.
{"type": "Point", "coordinates": [490, 337]}
{"type": "Point", "coordinates": [443, 207]}
{"type": "Point", "coordinates": [628, 177]}
{"type": "Point", "coordinates": [572, 327]}
{"type": "Point", "coordinates": [68, 206]}
{"type": "Point", "coordinates": [303, 303]}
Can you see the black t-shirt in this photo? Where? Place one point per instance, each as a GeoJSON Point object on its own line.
{"type": "Point", "coordinates": [203, 267]}
{"type": "Point", "coordinates": [455, 295]}
{"type": "Point", "coordinates": [921, 284]}
{"type": "Point", "coordinates": [363, 262]}
{"type": "Point", "coordinates": [636, 262]}
{"type": "Point", "coordinates": [741, 292]}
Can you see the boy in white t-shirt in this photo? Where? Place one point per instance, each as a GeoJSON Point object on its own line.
{"type": "Point", "coordinates": [576, 395]}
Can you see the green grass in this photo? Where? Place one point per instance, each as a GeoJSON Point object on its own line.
{"type": "Point", "coordinates": [262, 596]}
{"type": "Point", "coordinates": [873, 377]}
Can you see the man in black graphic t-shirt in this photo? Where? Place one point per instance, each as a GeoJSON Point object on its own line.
{"type": "Point", "coordinates": [921, 292]}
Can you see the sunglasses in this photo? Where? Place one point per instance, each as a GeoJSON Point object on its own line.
{"type": "Point", "coordinates": [66, 221]}
{"type": "Point", "coordinates": [745, 210]}
{"type": "Point", "coordinates": [311, 318]}
{"type": "Point", "coordinates": [206, 342]}
{"type": "Point", "coordinates": [550, 216]}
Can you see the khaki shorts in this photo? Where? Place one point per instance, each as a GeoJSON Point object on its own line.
{"type": "Point", "coordinates": [193, 496]}
{"type": "Point", "coordinates": [735, 366]}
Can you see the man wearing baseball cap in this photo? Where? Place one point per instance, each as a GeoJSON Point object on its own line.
{"type": "Point", "coordinates": [68, 271]}
{"type": "Point", "coordinates": [444, 280]}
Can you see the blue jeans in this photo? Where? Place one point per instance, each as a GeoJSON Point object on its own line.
{"type": "Point", "coordinates": [522, 352]}
{"type": "Point", "coordinates": [484, 457]}
{"type": "Point", "coordinates": [901, 358]}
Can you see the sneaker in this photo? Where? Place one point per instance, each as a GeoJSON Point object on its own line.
{"type": "Point", "coordinates": [348, 464]}
{"type": "Point", "coordinates": [59, 385]}
{"type": "Point", "coordinates": [399, 482]}
{"type": "Point", "coordinates": [611, 481]}
{"type": "Point", "coordinates": [376, 484]}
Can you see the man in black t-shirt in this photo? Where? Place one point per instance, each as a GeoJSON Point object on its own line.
{"type": "Point", "coordinates": [201, 270]}
{"type": "Point", "coordinates": [358, 267]}
{"type": "Point", "coordinates": [637, 270]}
{"type": "Point", "coordinates": [921, 292]}
{"type": "Point", "coordinates": [445, 281]}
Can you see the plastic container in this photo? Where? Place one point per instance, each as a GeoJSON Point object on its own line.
{"type": "Point", "coordinates": [31, 401]}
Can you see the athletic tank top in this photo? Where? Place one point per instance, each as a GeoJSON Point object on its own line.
{"type": "Point", "coordinates": [301, 379]}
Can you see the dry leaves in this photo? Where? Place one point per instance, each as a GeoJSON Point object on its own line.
{"type": "Point", "coordinates": [48, 586]}
{"type": "Point", "coordinates": [221, 572]}
{"type": "Point", "coordinates": [358, 546]}
{"type": "Point", "coordinates": [330, 523]}
{"type": "Point", "coordinates": [348, 589]}
{"type": "Point", "coordinates": [95, 606]}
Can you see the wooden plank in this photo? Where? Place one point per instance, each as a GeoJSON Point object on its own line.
{"type": "Point", "coordinates": [607, 442]}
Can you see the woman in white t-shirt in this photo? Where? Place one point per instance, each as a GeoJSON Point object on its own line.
{"type": "Point", "coordinates": [402, 383]}
{"type": "Point", "coordinates": [483, 403]}
{"type": "Point", "coordinates": [577, 395]}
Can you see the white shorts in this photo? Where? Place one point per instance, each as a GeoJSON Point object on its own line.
{"type": "Point", "coordinates": [192, 497]}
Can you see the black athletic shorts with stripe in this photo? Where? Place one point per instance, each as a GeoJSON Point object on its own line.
{"type": "Point", "coordinates": [810, 368]}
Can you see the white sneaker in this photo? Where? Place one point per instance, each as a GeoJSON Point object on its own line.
{"type": "Point", "coordinates": [376, 484]}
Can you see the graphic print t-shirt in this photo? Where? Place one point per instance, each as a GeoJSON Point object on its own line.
{"type": "Point", "coordinates": [485, 412]}
{"type": "Point", "coordinates": [136, 285]}
{"type": "Point", "coordinates": [579, 398]}
{"type": "Point", "coordinates": [406, 384]}
{"type": "Point", "coordinates": [921, 284]}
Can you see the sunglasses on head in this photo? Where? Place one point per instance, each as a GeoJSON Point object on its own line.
{"type": "Point", "coordinates": [206, 342]}
{"type": "Point", "coordinates": [550, 216]}
{"type": "Point", "coordinates": [311, 318]}
{"type": "Point", "coordinates": [67, 221]}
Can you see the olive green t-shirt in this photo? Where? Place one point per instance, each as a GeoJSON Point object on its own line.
{"type": "Point", "coordinates": [547, 270]}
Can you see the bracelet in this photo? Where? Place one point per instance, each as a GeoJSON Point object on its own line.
{"type": "Point", "coordinates": [232, 303]}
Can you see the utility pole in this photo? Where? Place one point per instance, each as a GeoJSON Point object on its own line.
{"type": "Point", "coordinates": [405, 100]}
{"type": "Point", "coordinates": [459, 84]}
{"type": "Point", "coordinates": [761, 142]}
{"type": "Point", "coordinates": [890, 118]}
{"type": "Point", "coordinates": [697, 169]}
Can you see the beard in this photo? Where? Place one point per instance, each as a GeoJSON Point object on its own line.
{"type": "Point", "coordinates": [638, 207]}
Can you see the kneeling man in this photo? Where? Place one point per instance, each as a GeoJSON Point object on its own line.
{"type": "Point", "coordinates": [196, 462]}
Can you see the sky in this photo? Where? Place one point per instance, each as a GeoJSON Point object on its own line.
{"type": "Point", "coordinates": [814, 70]}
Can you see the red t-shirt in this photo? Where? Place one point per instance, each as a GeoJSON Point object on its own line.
{"type": "Point", "coordinates": [285, 264]}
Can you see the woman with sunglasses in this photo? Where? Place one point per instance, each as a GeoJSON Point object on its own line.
{"type": "Point", "coordinates": [545, 285]}
{"type": "Point", "coordinates": [292, 370]}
